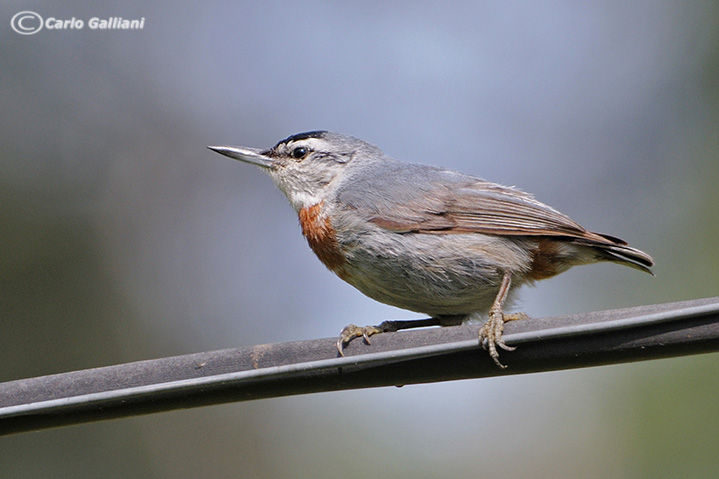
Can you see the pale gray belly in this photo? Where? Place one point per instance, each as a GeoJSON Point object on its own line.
{"type": "Point", "coordinates": [435, 274]}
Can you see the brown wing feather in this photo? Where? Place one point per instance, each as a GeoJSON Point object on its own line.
{"type": "Point", "coordinates": [483, 207]}
{"type": "Point", "coordinates": [416, 198]}
{"type": "Point", "coordinates": [479, 207]}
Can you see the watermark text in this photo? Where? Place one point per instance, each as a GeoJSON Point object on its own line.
{"type": "Point", "coordinates": [28, 23]}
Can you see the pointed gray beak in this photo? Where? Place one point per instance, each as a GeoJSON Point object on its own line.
{"type": "Point", "coordinates": [252, 156]}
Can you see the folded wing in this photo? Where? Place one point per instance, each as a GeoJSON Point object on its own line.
{"type": "Point", "coordinates": [433, 201]}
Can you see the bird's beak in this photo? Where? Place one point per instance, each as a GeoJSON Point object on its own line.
{"type": "Point", "coordinates": [252, 156]}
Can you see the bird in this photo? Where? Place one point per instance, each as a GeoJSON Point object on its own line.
{"type": "Point", "coordinates": [422, 238]}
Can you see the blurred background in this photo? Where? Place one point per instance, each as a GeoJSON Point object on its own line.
{"type": "Point", "coordinates": [123, 238]}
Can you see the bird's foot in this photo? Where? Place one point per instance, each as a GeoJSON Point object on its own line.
{"type": "Point", "coordinates": [351, 332]}
{"type": "Point", "coordinates": [490, 335]}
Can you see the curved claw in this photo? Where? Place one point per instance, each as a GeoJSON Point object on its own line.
{"type": "Point", "coordinates": [348, 334]}
{"type": "Point", "coordinates": [351, 332]}
{"type": "Point", "coordinates": [490, 335]}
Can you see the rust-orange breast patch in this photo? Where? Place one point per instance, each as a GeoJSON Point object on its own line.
{"type": "Point", "coordinates": [321, 236]}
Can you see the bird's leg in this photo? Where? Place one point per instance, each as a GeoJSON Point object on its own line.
{"type": "Point", "coordinates": [490, 335]}
{"type": "Point", "coordinates": [351, 331]}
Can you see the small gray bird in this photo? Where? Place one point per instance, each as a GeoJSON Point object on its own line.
{"type": "Point", "coordinates": [423, 238]}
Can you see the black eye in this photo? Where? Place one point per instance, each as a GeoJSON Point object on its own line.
{"type": "Point", "coordinates": [299, 152]}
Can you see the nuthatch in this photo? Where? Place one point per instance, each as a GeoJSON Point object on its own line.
{"type": "Point", "coordinates": [422, 238]}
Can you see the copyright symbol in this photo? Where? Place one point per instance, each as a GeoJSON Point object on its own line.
{"type": "Point", "coordinates": [26, 23]}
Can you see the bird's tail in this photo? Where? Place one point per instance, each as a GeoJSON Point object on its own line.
{"type": "Point", "coordinates": [610, 248]}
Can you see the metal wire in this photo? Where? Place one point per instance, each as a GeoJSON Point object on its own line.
{"type": "Point", "coordinates": [372, 359]}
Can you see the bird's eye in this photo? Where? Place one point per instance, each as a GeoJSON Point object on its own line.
{"type": "Point", "coordinates": [299, 152]}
